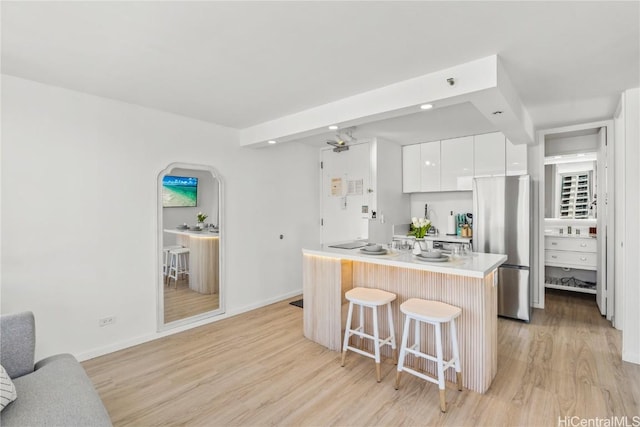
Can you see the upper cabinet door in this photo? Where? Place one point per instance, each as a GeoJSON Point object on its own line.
{"type": "Point", "coordinates": [411, 169]}
{"type": "Point", "coordinates": [489, 154]}
{"type": "Point", "coordinates": [516, 158]}
{"type": "Point", "coordinates": [457, 164]}
{"type": "Point", "coordinates": [430, 166]}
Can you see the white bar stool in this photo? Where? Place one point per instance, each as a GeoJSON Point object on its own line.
{"type": "Point", "coordinates": [372, 298]}
{"type": "Point", "coordinates": [165, 258]}
{"type": "Point", "coordinates": [434, 313]}
{"type": "Point", "coordinates": [179, 264]}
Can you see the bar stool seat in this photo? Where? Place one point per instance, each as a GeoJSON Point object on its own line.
{"type": "Point", "coordinates": [371, 298]}
{"type": "Point", "coordinates": [435, 313]}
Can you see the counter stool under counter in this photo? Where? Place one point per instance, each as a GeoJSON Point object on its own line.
{"type": "Point", "coordinates": [372, 299]}
{"type": "Point", "coordinates": [469, 283]}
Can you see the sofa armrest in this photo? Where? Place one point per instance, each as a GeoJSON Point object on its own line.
{"type": "Point", "coordinates": [17, 343]}
{"type": "Point", "coordinates": [48, 360]}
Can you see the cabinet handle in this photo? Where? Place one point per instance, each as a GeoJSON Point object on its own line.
{"type": "Point", "coordinates": [554, 243]}
{"type": "Point", "coordinates": [554, 256]}
{"type": "Point", "coordinates": [583, 258]}
{"type": "Point", "coordinates": [584, 245]}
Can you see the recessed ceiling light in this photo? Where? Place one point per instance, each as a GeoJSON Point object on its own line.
{"type": "Point", "coordinates": [271, 141]}
{"type": "Point", "coordinates": [333, 127]}
{"type": "Point", "coordinates": [426, 106]}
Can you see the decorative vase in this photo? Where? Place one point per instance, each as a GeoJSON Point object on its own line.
{"type": "Point", "coordinates": [200, 224]}
{"type": "Point", "coordinates": [422, 243]}
{"type": "Point", "coordinates": [417, 249]}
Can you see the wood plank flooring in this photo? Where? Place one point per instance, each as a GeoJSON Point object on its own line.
{"type": "Point", "coordinates": [183, 302]}
{"type": "Point", "coordinates": [258, 369]}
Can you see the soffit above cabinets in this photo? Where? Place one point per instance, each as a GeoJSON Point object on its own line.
{"type": "Point", "coordinates": [484, 83]}
{"type": "Point", "coordinates": [423, 126]}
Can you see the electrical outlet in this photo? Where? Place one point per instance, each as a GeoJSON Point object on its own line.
{"type": "Point", "coordinates": [106, 321]}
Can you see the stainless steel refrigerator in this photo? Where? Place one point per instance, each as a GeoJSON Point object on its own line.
{"type": "Point", "coordinates": [502, 225]}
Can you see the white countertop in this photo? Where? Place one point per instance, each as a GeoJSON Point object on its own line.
{"type": "Point", "coordinates": [440, 237]}
{"type": "Point", "coordinates": [191, 233]}
{"type": "Point", "coordinates": [475, 265]}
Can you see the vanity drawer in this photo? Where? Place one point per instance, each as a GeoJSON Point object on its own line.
{"type": "Point", "coordinates": [570, 244]}
{"type": "Point", "coordinates": [583, 260]}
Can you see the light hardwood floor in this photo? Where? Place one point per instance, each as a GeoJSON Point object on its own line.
{"type": "Point", "coordinates": [258, 369]}
{"type": "Point", "coordinates": [181, 302]}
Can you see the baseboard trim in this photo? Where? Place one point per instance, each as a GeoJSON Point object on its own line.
{"type": "Point", "coordinates": [630, 357]}
{"type": "Point", "coordinates": [101, 351]}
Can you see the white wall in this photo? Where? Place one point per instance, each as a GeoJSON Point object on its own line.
{"type": "Point", "coordinates": [535, 165]}
{"type": "Point", "coordinates": [571, 145]}
{"type": "Point", "coordinates": [619, 213]}
{"type": "Point", "coordinates": [392, 204]}
{"type": "Point", "coordinates": [440, 205]}
{"type": "Point", "coordinates": [79, 213]}
{"type": "Point", "coordinates": [631, 314]}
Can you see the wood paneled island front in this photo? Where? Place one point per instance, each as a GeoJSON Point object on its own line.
{"type": "Point", "coordinates": [469, 283]}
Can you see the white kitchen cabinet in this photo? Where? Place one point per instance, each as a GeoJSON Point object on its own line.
{"type": "Point", "coordinates": [489, 154]}
{"type": "Point", "coordinates": [575, 260]}
{"type": "Point", "coordinates": [411, 169]}
{"type": "Point", "coordinates": [451, 164]}
{"type": "Point", "coordinates": [430, 166]}
{"type": "Point", "coordinates": [456, 163]}
{"type": "Point", "coordinates": [516, 158]}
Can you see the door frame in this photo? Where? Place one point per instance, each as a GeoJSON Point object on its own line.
{"type": "Point", "coordinates": [610, 218]}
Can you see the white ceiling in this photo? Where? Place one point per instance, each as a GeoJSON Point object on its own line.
{"type": "Point", "coordinates": [239, 64]}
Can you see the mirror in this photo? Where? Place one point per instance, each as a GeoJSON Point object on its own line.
{"type": "Point", "coordinates": [190, 250]}
{"type": "Point", "coordinates": [570, 186]}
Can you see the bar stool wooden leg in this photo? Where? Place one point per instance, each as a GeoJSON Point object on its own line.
{"type": "Point", "coordinates": [361, 327]}
{"type": "Point", "coordinates": [376, 342]}
{"type": "Point", "coordinates": [347, 334]}
{"type": "Point", "coordinates": [456, 354]}
{"type": "Point", "coordinates": [403, 349]}
{"type": "Point", "coordinates": [392, 333]}
{"type": "Point", "coordinates": [441, 385]}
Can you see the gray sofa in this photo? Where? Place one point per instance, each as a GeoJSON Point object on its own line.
{"type": "Point", "coordinates": [54, 392]}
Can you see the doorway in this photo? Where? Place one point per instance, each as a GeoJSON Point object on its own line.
{"type": "Point", "coordinates": [576, 197]}
{"type": "Point", "coordinates": [346, 183]}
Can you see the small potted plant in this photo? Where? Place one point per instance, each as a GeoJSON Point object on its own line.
{"type": "Point", "coordinates": [419, 227]}
{"type": "Point", "coordinates": [201, 218]}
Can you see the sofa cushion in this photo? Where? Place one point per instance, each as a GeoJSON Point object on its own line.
{"type": "Point", "coordinates": [18, 342]}
{"type": "Point", "coordinates": [57, 394]}
{"type": "Point", "coordinates": [7, 389]}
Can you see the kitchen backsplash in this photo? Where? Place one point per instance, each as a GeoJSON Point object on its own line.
{"type": "Point", "coordinates": [440, 205]}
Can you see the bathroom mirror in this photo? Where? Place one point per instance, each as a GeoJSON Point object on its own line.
{"type": "Point", "coordinates": [570, 186]}
{"type": "Point", "coordinates": [190, 248]}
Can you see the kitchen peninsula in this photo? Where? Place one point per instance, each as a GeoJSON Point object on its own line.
{"type": "Point", "coordinates": [468, 282]}
{"type": "Point", "coordinates": [204, 250]}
